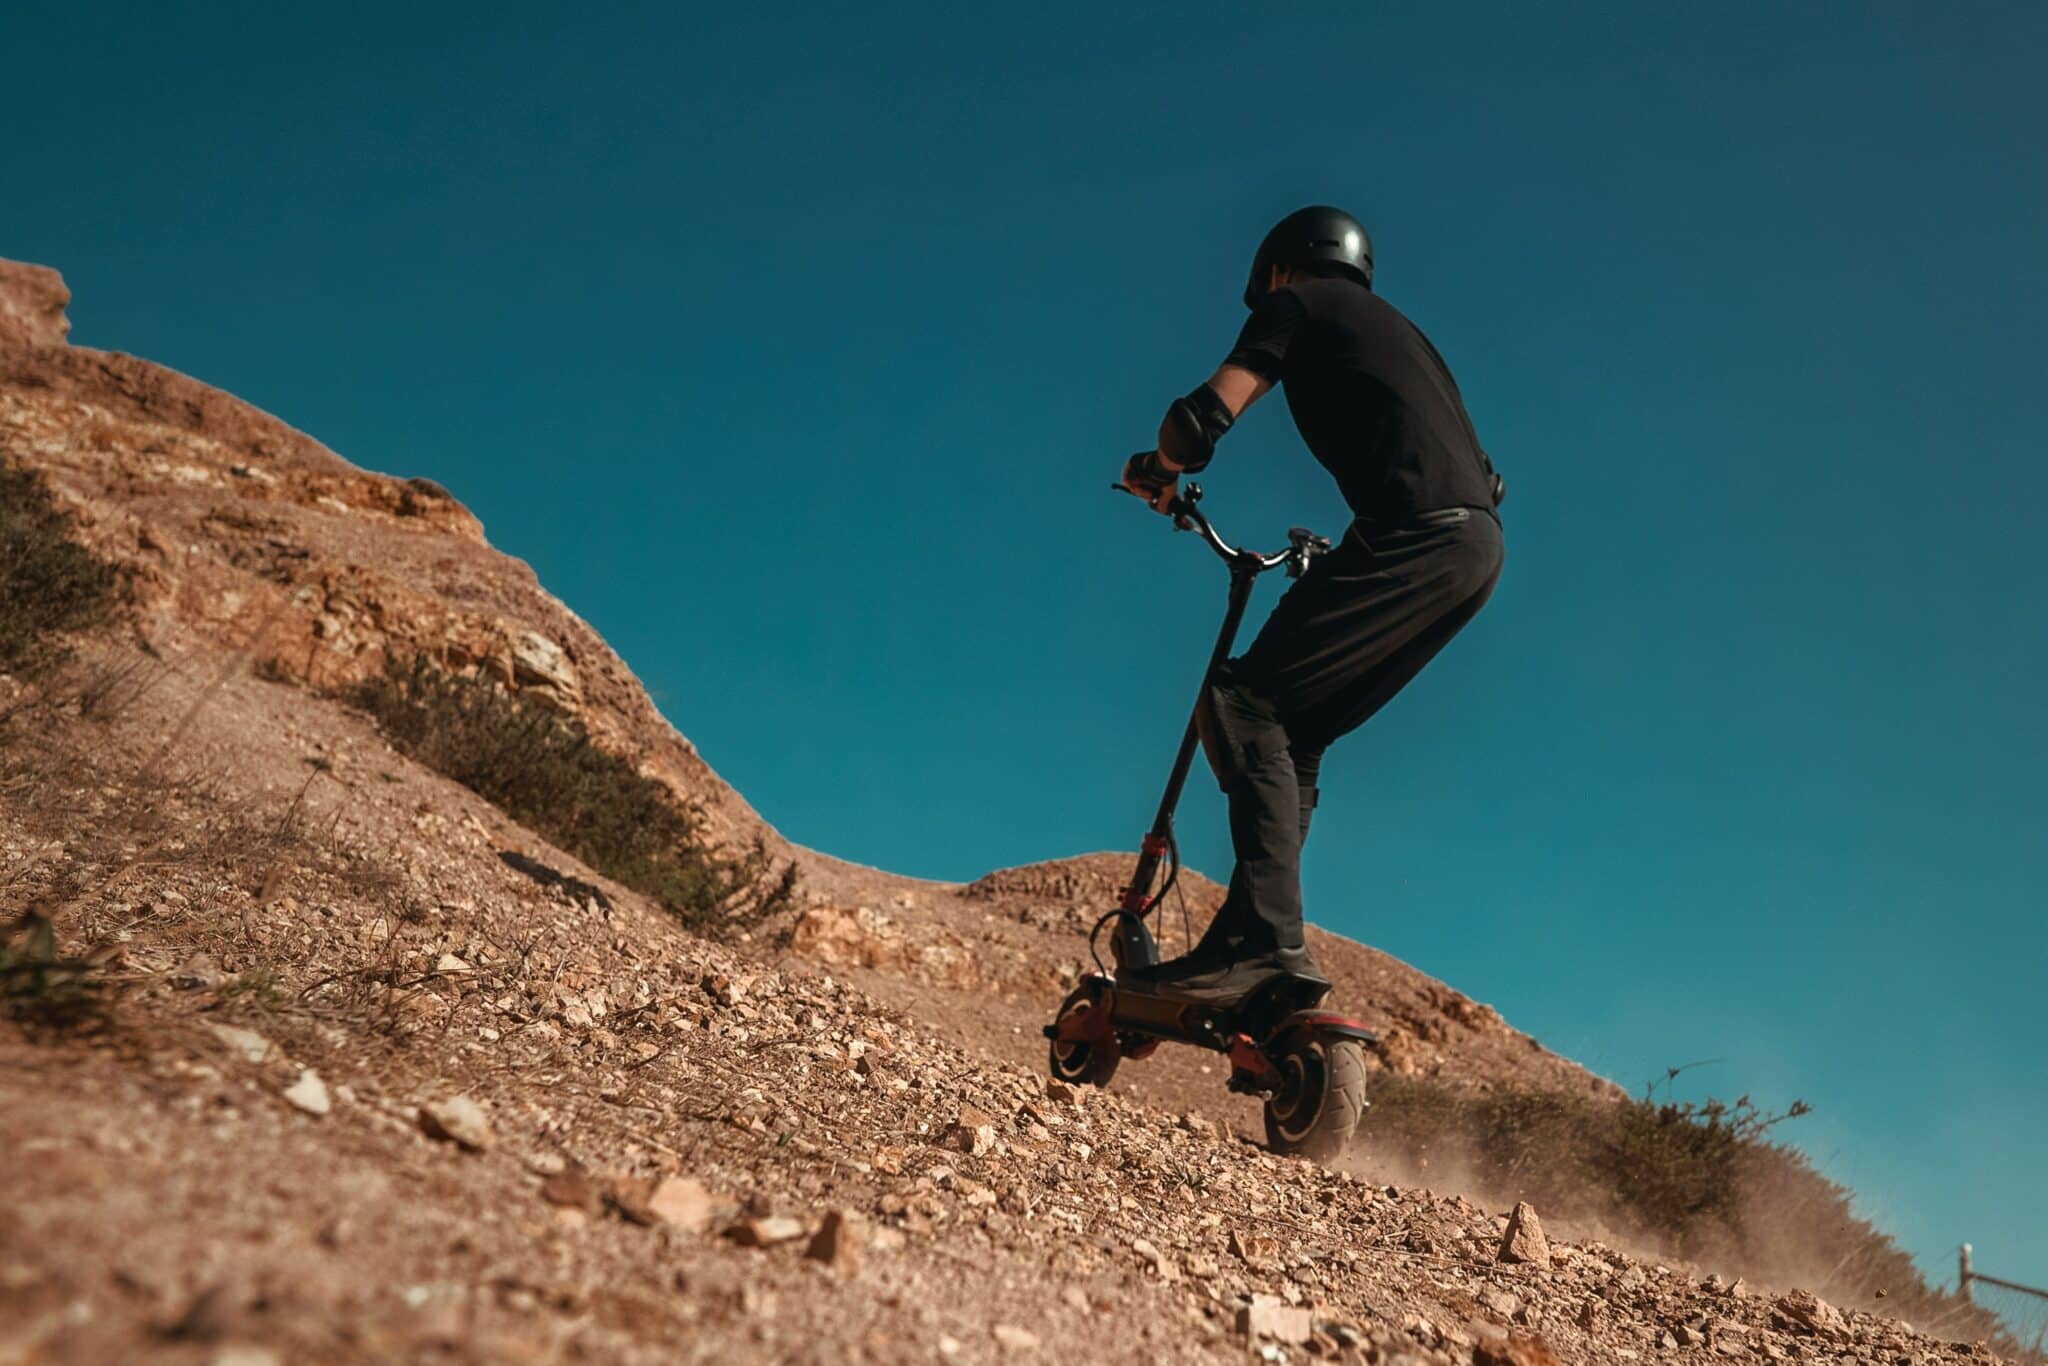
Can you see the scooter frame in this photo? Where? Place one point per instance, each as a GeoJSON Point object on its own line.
{"type": "Point", "coordinates": [1117, 1020]}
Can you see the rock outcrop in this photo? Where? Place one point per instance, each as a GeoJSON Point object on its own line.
{"type": "Point", "coordinates": [243, 538]}
{"type": "Point", "coordinates": [32, 303]}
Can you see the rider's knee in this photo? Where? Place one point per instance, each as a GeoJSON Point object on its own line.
{"type": "Point", "coordinates": [1240, 730]}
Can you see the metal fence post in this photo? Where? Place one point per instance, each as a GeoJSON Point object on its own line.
{"type": "Point", "coordinates": [1963, 1272]}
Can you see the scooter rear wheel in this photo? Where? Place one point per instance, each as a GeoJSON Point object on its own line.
{"type": "Point", "coordinates": [1083, 1062]}
{"type": "Point", "coordinates": [1321, 1096]}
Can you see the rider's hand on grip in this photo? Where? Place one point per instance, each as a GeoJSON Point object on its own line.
{"type": "Point", "coordinates": [1141, 478]}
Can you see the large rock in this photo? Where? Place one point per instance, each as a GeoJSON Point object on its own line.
{"type": "Point", "coordinates": [32, 300]}
{"type": "Point", "coordinates": [1805, 1312]}
{"type": "Point", "coordinates": [539, 662]}
{"type": "Point", "coordinates": [1524, 1240]}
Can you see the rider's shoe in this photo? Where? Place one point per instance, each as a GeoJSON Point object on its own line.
{"type": "Point", "coordinates": [1231, 983]}
{"type": "Point", "coordinates": [1194, 964]}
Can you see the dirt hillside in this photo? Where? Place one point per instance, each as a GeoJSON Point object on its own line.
{"type": "Point", "coordinates": [369, 1070]}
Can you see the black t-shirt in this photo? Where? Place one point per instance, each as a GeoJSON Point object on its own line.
{"type": "Point", "coordinates": [1372, 398]}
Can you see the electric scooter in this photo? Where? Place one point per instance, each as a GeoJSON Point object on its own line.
{"type": "Point", "coordinates": [1306, 1064]}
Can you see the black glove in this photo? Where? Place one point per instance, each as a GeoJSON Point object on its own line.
{"type": "Point", "coordinates": [1145, 476]}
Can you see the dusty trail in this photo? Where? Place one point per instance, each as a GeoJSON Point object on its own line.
{"type": "Point", "coordinates": [831, 1141]}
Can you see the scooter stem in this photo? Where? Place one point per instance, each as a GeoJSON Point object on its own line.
{"type": "Point", "coordinates": [1134, 942]}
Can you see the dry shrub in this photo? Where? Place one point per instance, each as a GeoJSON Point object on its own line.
{"type": "Point", "coordinates": [545, 771]}
{"type": "Point", "coordinates": [42, 987]}
{"type": "Point", "coordinates": [1701, 1181]}
{"type": "Point", "coordinates": [49, 584]}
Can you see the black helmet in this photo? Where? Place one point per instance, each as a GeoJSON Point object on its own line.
{"type": "Point", "coordinates": [1317, 235]}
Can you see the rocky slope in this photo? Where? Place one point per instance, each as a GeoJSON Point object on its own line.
{"type": "Point", "coordinates": [384, 1076]}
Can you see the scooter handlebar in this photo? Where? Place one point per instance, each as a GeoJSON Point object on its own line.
{"type": "Point", "coordinates": [1303, 545]}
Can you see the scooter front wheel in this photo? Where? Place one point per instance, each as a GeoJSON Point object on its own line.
{"type": "Point", "coordinates": [1083, 1061]}
{"type": "Point", "coordinates": [1321, 1095]}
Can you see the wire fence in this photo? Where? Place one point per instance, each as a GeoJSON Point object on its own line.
{"type": "Point", "coordinates": [2022, 1308]}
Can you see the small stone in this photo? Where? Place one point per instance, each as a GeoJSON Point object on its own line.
{"type": "Point", "coordinates": [1162, 1266]}
{"type": "Point", "coordinates": [250, 1046]}
{"type": "Point", "coordinates": [683, 1203]}
{"type": "Point", "coordinates": [197, 973]}
{"type": "Point", "coordinates": [1254, 1248]}
{"type": "Point", "coordinates": [766, 1231]}
{"type": "Point", "coordinates": [1014, 1339]}
{"type": "Point", "coordinates": [450, 964]}
{"type": "Point", "coordinates": [727, 991]}
{"type": "Point", "coordinates": [1524, 1241]}
{"type": "Point", "coordinates": [1689, 1336]}
{"type": "Point", "coordinates": [309, 1093]}
{"type": "Point", "coordinates": [1500, 1302]}
{"type": "Point", "coordinates": [837, 1242]}
{"type": "Point", "coordinates": [632, 1197]}
{"type": "Point", "coordinates": [209, 1317]}
{"type": "Point", "coordinates": [973, 1133]}
{"type": "Point", "coordinates": [571, 1188]}
{"type": "Point", "coordinates": [458, 1120]}
{"type": "Point", "coordinates": [244, 1354]}
{"type": "Point", "coordinates": [1060, 1091]}
{"type": "Point", "coordinates": [1268, 1317]}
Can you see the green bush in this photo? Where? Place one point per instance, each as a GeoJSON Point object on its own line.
{"type": "Point", "coordinates": [49, 584]}
{"type": "Point", "coordinates": [544, 771]}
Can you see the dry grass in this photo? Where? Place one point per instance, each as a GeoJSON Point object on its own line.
{"type": "Point", "coordinates": [545, 772]}
{"type": "Point", "coordinates": [50, 586]}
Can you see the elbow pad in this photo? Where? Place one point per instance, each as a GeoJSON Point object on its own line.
{"type": "Point", "coordinates": [1189, 431]}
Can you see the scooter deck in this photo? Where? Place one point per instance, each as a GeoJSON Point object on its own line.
{"type": "Point", "coordinates": [1160, 1014]}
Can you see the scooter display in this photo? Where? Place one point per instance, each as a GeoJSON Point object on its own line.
{"type": "Point", "coordinates": [1306, 1064]}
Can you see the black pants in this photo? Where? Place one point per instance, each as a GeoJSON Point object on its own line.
{"type": "Point", "coordinates": [1342, 641]}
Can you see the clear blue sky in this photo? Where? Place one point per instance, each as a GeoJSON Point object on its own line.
{"type": "Point", "coordinates": [794, 349]}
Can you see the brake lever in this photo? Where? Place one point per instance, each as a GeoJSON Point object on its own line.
{"type": "Point", "coordinates": [1180, 519]}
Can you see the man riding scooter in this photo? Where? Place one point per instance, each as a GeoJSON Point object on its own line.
{"type": "Point", "coordinates": [1377, 406]}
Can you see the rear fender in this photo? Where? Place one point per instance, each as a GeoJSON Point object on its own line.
{"type": "Point", "coordinates": [1326, 1023]}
